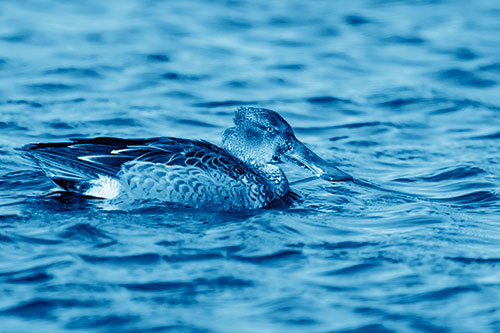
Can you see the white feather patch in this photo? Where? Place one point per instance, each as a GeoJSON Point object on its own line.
{"type": "Point", "coordinates": [104, 187]}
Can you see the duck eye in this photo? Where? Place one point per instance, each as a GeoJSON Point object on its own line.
{"type": "Point", "coordinates": [270, 130]}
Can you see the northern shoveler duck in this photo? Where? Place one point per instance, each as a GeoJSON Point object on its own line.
{"type": "Point", "coordinates": [241, 175]}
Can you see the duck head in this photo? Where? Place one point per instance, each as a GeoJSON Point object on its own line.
{"type": "Point", "coordinates": [263, 136]}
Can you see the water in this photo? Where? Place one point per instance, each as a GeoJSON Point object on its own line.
{"type": "Point", "coordinates": [402, 95]}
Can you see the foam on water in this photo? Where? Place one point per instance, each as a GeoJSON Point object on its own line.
{"type": "Point", "coordinates": [401, 95]}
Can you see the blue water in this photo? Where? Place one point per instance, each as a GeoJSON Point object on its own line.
{"type": "Point", "coordinates": [403, 95]}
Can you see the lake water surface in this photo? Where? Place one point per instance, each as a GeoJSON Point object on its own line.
{"type": "Point", "coordinates": [403, 95]}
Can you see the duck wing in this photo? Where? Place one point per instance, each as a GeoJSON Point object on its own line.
{"type": "Point", "coordinates": [90, 158]}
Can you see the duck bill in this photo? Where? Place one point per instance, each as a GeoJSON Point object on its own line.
{"type": "Point", "coordinates": [303, 156]}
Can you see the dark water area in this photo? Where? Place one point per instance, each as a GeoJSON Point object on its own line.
{"type": "Point", "coordinates": [403, 95]}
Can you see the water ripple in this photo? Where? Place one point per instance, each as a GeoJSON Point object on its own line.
{"type": "Point", "coordinates": [270, 259]}
{"type": "Point", "coordinates": [42, 308]}
{"type": "Point", "coordinates": [460, 172]}
{"type": "Point", "coordinates": [474, 199]}
{"type": "Point", "coordinates": [466, 260]}
{"type": "Point", "coordinates": [74, 72]}
{"type": "Point", "coordinates": [137, 259]}
{"type": "Point", "coordinates": [49, 87]}
{"type": "Point", "coordinates": [216, 104]}
{"type": "Point", "coordinates": [465, 78]}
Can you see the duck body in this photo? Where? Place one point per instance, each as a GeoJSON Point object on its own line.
{"type": "Point", "coordinates": [243, 174]}
{"type": "Point", "coordinates": [188, 172]}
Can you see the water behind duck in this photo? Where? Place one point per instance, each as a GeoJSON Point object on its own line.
{"type": "Point", "coordinates": [402, 95]}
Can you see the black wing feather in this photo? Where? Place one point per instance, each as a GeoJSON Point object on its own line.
{"type": "Point", "coordinates": [89, 158]}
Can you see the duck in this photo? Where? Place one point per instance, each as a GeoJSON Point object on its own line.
{"type": "Point", "coordinates": [243, 174]}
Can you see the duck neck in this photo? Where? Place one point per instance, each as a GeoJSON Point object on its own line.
{"type": "Point", "coordinates": [274, 176]}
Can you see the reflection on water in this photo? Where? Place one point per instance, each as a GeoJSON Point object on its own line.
{"type": "Point", "coordinates": [402, 95]}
